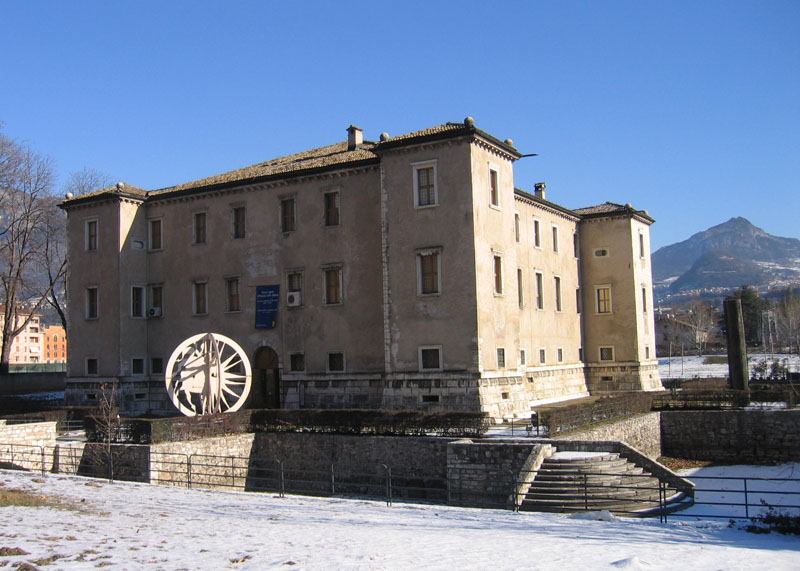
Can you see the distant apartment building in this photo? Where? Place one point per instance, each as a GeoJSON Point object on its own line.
{"type": "Point", "coordinates": [410, 273]}
{"type": "Point", "coordinates": [26, 348]}
{"type": "Point", "coordinates": [55, 344]}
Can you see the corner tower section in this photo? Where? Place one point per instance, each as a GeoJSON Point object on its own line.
{"type": "Point", "coordinates": [619, 331]}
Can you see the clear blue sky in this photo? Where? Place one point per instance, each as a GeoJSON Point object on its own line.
{"type": "Point", "coordinates": [690, 110]}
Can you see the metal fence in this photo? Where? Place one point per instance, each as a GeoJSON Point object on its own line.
{"type": "Point", "coordinates": [715, 497]}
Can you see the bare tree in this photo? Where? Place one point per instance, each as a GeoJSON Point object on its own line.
{"type": "Point", "coordinates": [26, 204]}
{"type": "Point", "coordinates": [55, 250]}
{"type": "Point", "coordinates": [86, 180]}
{"type": "Point", "coordinates": [106, 424]}
{"type": "Point", "coordinates": [787, 319]}
{"type": "Point", "coordinates": [701, 324]}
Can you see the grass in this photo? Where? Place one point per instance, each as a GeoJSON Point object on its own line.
{"type": "Point", "coordinates": [683, 463]}
{"type": "Point", "coordinates": [25, 498]}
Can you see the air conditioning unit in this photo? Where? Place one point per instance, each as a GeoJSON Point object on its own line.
{"type": "Point", "coordinates": [293, 299]}
{"type": "Point", "coordinates": [154, 312]}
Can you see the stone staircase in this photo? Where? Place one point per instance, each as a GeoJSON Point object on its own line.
{"type": "Point", "coordinates": [570, 482]}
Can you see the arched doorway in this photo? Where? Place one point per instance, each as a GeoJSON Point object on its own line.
{"type": "Point", "coordinates": [266, 379]}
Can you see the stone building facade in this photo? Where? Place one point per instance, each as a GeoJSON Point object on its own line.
{"type": "Point", "coordinates": [412, 274]}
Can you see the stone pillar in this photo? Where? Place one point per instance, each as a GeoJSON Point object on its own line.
{"type": "Point", "coordinates": [737, 351]}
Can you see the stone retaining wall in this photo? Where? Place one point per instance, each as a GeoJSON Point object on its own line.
{"type": "Point", "coordinates": [746, 436]}
{"type": "Point", "coordinates": [29, 434]}
{"type": "Point", "coordinates": [643, 432]}
{"type": "Point", "coordinates": [486, 473]}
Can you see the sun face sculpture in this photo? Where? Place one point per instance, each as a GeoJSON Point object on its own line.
{"type": "Point", "coordinates": [208, 373]}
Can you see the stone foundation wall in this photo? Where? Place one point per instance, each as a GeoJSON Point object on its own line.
{"type": "Point", "coordinates": [746, 436]}
{"type": "Point", "coordinates": [642, 432]}
{"type": "Point", "coordinates": [552, 385]}
{"type": "Point", "coordinates": [623, 377]}
{"type": "Point", "coordinates": [505, 397]}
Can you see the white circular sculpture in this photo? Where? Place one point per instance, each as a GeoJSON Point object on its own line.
{"type": "Point", "coordinates": [208, 373]}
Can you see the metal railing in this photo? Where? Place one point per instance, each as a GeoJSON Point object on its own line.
{"type": "Point", "coordinates": [739, 497]}
{"type": "Point", "coordinates": [720, 498]}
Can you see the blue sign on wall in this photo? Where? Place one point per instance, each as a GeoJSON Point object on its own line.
{"type": "Point", "coordinates": [267, 298]}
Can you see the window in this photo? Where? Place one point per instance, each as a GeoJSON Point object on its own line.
{"type": "Point", "coordinates": [294, 288]}
{"type": "Point", "coordinates": [539, 290]}
{"type": "Point", "coordinates": [239, 222]}
{"type": "Point", "coordinates": [603, 299]}
{"type": "Point", "coordinates": [232, 294]}
{"type": "Point", "coordinates": [430, 398]}
{"type": "Point", "coordinates": [646, 351]}
{"type": "Point", "coordinates": [91, 366]}
{"type": "Point", "coordinates": [199, 298]}
{"type": "Point", "coordinates": [156, 242]}
{"type": "Point", "coordinates": [578, 299]}
{"type": "Point", "coordinates": [137, 366]}
{"type": "Point", "coordinates": [137, 301]}
{"type": "Point", "coordinates": [494, 191]}
{"type": "Point", "coordinates": [156, 365]}
{"type": "Point", "coordinates": [91, 235]}
{"type": "Point", "coordinates": [199, 227]}
{"type": "Point", "coordinates": [557, 292]}
{"type": "Point", "coordinates": [288, 217]}
{"type": "Point", "coordinates": [501, 358]}
{"type": "Point", "coordinates": [297, 362]}
{"type": "Point", "coordinates": [91, 303]}
{"type": "Point", "coordinates": [601, 253]}
{"type": "Point", "coordinates": [335, 362]}
{"type": "Point", "coordinates": [428, 272]}
{"type": "Point", "coordinates": [606, 353]}
{"type": "Point", "coordinates": [555, 238]}
{"type": "Point", "coordinates": [641, 245]}
{"type": "Point", "coordinates": [576, 250]}
{"type": "Point", "coordinates": [425, 188]}
{"type": "Point", "coordinates": [522, 357]}
{"type": "Point", "coordinates": [516, 227]}
{"type": "Point", "coordinates": [331, 209]}
{"type": "Point", "coordinates": [542, 356]}
{"type": "Point", "coordinates": [520, 290]}
{"type": "Point", "coordinates": [333, 286]}
{"type": "Point", "coordinates": [644, 299]}
{"type": "Point", "coordinates": [430, 358]}
{"type": "Point", "coordinates": [156, 297]}
{"type": "Point", "coordinates": [537, 234]}
{"type": "Point", "coordinates": [498, 275]}
{"type": "Point", "coordinates": [580, 353]}
{"type": "Point", "coordinates": [560, 353]}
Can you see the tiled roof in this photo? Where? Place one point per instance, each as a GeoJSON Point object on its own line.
{"type": "Point", "coordinates": [611, 208]}
{"type": "Point", "coordinates": [533, 198]}
{"type": "Point", "coordinates": [331, 155]}
{"type": "Point", "coordinates": [322, 158]}
{"type": "Point", "coordinates": [605, 208]}
{"type": "Point", "coordinates": [446, 128]}
{"type": "Point", "coordinates": [119, 189]}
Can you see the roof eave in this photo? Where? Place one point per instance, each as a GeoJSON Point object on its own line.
{"type": "Point", "coordinates": [164, 194]}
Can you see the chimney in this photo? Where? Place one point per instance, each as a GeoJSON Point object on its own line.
{"type": "Point", "coordinates": [539, 190]}
{"type": "Point", "coordinates": [355, 137]}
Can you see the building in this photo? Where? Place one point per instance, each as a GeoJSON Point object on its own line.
{"type": "Point", "coordinates": [26, 348]}
{"type": "Point", "coordinates": [412, 275]}
{"type": "Point", "coordinates": [55, 344]}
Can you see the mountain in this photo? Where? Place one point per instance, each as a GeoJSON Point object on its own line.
{"type": "Point", "coordinates": [724, 257]}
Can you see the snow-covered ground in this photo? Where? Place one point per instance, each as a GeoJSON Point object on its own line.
{"type": "Point", "coordinates": [137, 526]}
{"type": "Point", "coordinates": [691, 367]}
